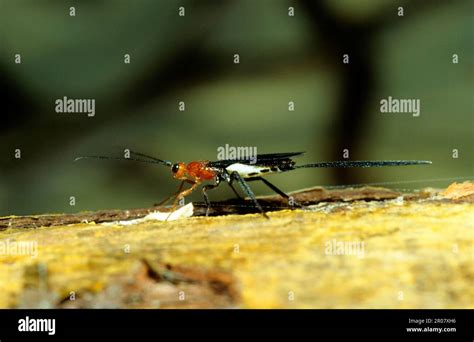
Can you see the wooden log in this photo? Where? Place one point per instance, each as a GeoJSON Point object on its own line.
{"type": "Point", "coordinates": [347, 248]}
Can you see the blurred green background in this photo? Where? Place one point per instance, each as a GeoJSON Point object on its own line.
{"type": "Point", "coordinates": [190, 59]}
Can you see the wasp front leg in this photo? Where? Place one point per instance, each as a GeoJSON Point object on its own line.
{"type": "Point", "coordinates": [173, 195]}
{"type": "Point", "coordinates": [183, 194]}
{"type": "Point", "coordinates": [187, 192]}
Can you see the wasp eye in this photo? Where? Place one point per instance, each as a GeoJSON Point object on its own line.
{"type": "Point", "coordinates": [175, 168]}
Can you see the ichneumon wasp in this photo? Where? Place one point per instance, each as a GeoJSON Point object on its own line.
{"type": "Point", "coordinates": [243, 171]}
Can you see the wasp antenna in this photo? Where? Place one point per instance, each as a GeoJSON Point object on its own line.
{"type": "Point", "coordinates": [93, 157]}
{"type": "Point", "coordinates": [122, 158]}
{"type": "Point", "coordinates": [166, 162]}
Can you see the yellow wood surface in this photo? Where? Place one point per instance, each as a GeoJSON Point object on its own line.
{"type": "Point", "coordinates": [362, 254]}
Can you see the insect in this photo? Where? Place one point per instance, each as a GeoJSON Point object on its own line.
{"type": "Point", "coordinates": [243, 171]}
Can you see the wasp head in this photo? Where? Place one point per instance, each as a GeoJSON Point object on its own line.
{"type": "Point", "coordinates": [179, 170]}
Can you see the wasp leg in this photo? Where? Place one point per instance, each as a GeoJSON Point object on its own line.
{"type": "Point", "coordinates": [248, 191]}
{"type": "Point", "coordinates": [205, 188]}
{"type": "Point", "coordinates": [270, 185]}
{"type": "Point", "coordinates": [235, 191]}
{"type": "Point", "coordinates": [274, 188]}
{"type": "Point", "coordinates": [183, 194]}
{"type": "Point", "coordinates": [186, 192]}
{"type": "Point", "coordinates": [170, 197]}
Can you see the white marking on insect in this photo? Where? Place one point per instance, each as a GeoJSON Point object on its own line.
{"type": "Point", "coordinates": [249, 171]}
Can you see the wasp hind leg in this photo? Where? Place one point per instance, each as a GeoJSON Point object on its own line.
{"type": "Point", "coordinates": [245, 187]}
{"type": "Point", "coordinates": [270, 185]}
{"type": "Point", "coordinates": [235, 191]}
{"type": "Point", "coordinates": [275, 189]}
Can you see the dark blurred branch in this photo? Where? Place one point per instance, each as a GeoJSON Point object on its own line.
{"type": "Point", "coordinates": [358, 82]}
{"type": "Point", "coordinates": [356, 78]}
{"type": "Point", "coordinates": [18, 101]}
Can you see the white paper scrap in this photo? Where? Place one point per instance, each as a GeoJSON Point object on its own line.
{"type": "Point", "coordinates": [183, 212]}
